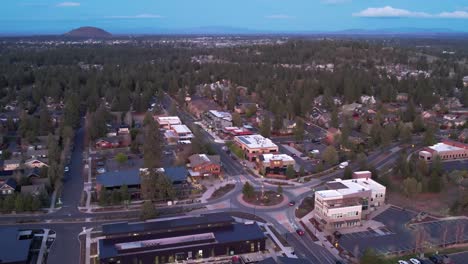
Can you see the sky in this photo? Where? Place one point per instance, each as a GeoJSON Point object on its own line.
{"type": "Point", "coordinates": [269, 16]}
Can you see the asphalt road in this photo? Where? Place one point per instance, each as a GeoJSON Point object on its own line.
{"type": "Point", "coordinates": [73, 180]}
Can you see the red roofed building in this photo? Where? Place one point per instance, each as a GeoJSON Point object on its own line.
{"type": "Point", "coordinates": [446, 150]}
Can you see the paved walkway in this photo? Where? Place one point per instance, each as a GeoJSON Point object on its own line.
{"type": "Point", "coordinates": [43, 249]}
{"type": "Point", "coordinates": [87, 232]}
{"type": "Point", "coordinates": [322, 240]}
{"type": "Point", "coordinates": [52, 201]}
{"type": "Point", "coordinates": [286, 250]}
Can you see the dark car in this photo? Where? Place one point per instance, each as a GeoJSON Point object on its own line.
{"type": "Point", "coordinates": [293, 155]}
{"type": "Point", "coordinates": [436, 259]}
{"type": "Point", "coordinates": [292, 203]}
{"type": "Point", "coordinates": [300, 232]}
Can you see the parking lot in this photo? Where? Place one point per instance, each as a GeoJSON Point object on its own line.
{"type": "Point", "coordinates": [399, 236]}
{"type": "Point", "coordinates": [459, 258]}
{"type": "Point", "coordinates": [455, 165]}
{"type": "Point", "coordinates": [396, 237]}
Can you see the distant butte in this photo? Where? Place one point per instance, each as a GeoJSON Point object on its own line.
{"type": "Point", "coordinates": [88, 32]}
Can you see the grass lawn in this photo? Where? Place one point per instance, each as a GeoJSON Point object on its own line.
{"type": "Point", "coordinates": [270, 198]}
{"type": "Point", "coordinates": [305, 207]}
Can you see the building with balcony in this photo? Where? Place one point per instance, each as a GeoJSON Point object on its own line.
{"type": "Point", "coordinates": [179, 239]}
{"type": "Point", "coordinates": [255, 145]}
{"type": "Point", "coordinates": [347, 202]}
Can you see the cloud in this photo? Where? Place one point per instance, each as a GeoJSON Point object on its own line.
{"type": "Point", "coordinates": [334, 2]}
{"type": "Point", "coordinates": [279, 16]}
{"type": "Point", "coordinates": [140, 16]}
{"type": "Point", "coordinates": [388, 11]}
{"type": "Point", "coordinates": [454, 14]}
{"type": "Point", "coordinates": [68, 4]}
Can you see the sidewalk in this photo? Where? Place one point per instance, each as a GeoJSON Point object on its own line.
{"type": "Point", "coordinates": [287, 250]}
{"type": "Point", "coordinates": [43, 249]}
{"type": "Point", "coordinates": [322, 240]}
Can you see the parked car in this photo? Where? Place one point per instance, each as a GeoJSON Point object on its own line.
{"type": "Point", "coordinates": [101, 170]}
{"type": "Point", "coordinates": [436, 259]}
{"type": "Point", "coordinates": [293, 155]}
{"type": "Point", "coordinates": [301, 233]}
{"type": "Point", "coordinates": [414, 261]}
{"type": "Point", "coordinates": [292, 203]}
{"type": "Point", "coordinates": [66, 169]}
{"type": "Point", "coordinates": [402, 262]}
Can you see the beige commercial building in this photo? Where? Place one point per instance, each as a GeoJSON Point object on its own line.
{"type": "Point", "coordinates": [347, 202]}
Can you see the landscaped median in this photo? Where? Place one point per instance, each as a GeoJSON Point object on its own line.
{"type": "Point", "coordinates": [260, 198]}
{"type": "Point", "coordinates": [221, 191]}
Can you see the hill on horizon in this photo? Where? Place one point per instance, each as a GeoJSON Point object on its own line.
{"type": "Point", "coordinates": [88, 32]}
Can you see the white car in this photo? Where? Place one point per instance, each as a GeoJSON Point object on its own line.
{"type": "Point", "coordinates": [402, 262]}
{"type": "Point", "coordinates": [66, 169]}
{"type": "Point", "coordinates": [101, 170]}
{"type": "Point", "coordinates": [414, 261]}
{"type": "Point", "coordinates": [344, 165]}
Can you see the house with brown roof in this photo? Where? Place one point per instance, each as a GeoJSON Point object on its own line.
{"type": "Point", "coordinates": [202, 165]}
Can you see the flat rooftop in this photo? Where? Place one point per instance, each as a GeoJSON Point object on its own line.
{"type": "Point", "coordinates": [181, 129]}
{"type": "Point", "coordinates": [164, 224]}
{"type": "Point", "coordinates": [347, 187]}
{"type": "Point", "coordinates": [256, 141]}
{"type": "Point", "coordinates": [269, 157]}
{"type": "Point", "coordinates": [169, 119]}
{"type": "Point", "coordinates": [13, 250]}
{"type": "Point", "coordinates": [442, 147]}
{"type": "Point", "coordinates": [223, 115]}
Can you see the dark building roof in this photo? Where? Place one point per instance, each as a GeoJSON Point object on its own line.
{"type": "Point", "coordinates": [13, 250]}
{"type": "Point", "coordinates": [176, 174]}
{"type": "Point", "coordinates": [228, 232]}
{"type": "Point", "coordinates": [119, 178]}
{"type": "Point", "coordinates": [109, 139]}
{"type": "Point", "coordinates": [121, 228]}
{"type": "Point", "coordinates": [284, 260]}
{"type": "Point", "coordinates": [10, 182]}
{"type": "Point", "coordinates": [6, 174]}
{"type": "Point", "coordinates": [336, 185]}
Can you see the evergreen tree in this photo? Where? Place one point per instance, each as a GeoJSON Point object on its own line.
{"type": "Point", "coordinates": [248, 190]}
{"type": "Point", "coordinates": [152, 146]}
{"type": "Point", "coordinates": [265, 128]}
{"type": "Point", "coordinates": [236, 119]}
{"type": "Point", "coordinates": [330, 156]}
{"type": "Point", "coordinates": [299, 130]}
{"type": "Point", "coordinates": [148, 211]}
{"type": "Point", "coordinates": [290, 172]}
